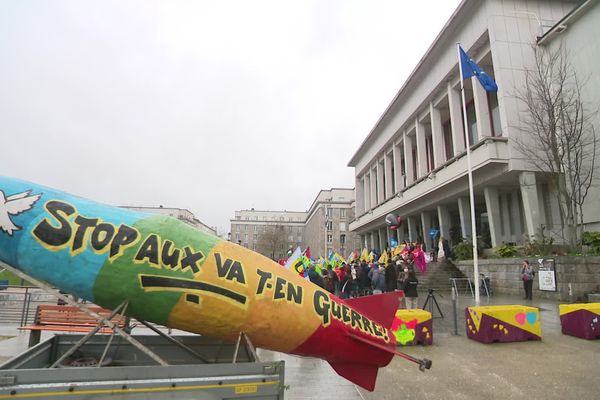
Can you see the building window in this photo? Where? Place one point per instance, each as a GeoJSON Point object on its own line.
{"type": "Point", "coordinates": [329, 212]}
{"type": "Point", "coordinates": [290, 228]}
{"type": "Point", "coordinates": [255, 237]}
{"type": "Point", "coordinates": [247, 218]}
{"type": "Point", "coordinates": [291, 238]}
{"type": "Point", "coordinates": [238, 217]}
{"type": "Point", "coordinates": [494, 113]}
{"type": "Point", "coordinates": [414, 162]}
{"type": "Point", "coordinates": [254, 247]}
{"type": "Point", "coordinates": [246, 238]}
{"type": "Point", "coordinates": [255, 228]}
{"type": "Point", "coordinates": [329, 225]}
{"type": "Point", "coordinates": [342, 240]}
{"type": "Point", "coordinates": [299, 239]}
{"type": "Point", "coordinates": [237, 237]}
{"type": "Point", "coordinates": [342, 213]}
{"type": "Point", "coordinates": [256, 218]}
{"type": "Point", "coordinates": [246, 227]}
{"type": "Point", "coordinates": [429, 151]}
{"type": "Point", "coordinates": [472, 123]}
{"type": "Point", "coordinates": [448, 146]}
{"type": "Point", "coordinates": [329, 238]}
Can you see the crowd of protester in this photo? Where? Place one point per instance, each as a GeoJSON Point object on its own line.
{"type": "Point", "coordinates": [363, 278]}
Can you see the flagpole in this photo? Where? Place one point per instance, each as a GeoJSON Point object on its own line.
{"type": "Point", "coordinates": [470, 173]}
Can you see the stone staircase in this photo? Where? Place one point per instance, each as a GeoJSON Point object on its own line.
{"type": "Point", "coordinates": [438, 276]}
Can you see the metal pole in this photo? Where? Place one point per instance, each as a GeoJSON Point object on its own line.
{"type": "Point", "coordinates": [470, 173]}
{"type": "Point", "coordinates": [172, 340]}
{"type": "Point", "coordinates": [454, 299]}
{"type": "Point", "coordinates": [24, 308]}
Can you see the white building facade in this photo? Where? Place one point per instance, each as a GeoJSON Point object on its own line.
{"type": "Point", "coordinates": [413, 162]}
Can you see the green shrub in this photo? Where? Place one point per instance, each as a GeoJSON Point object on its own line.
{"type": "Point", "coordinates": [506, 251]}
{"type": "Point", "coordinates": [463, 251]}
{"type": "Point", "coordinates": [592, 240]}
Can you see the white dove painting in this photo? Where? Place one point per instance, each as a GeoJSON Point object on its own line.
{"type": "Point", "coordinates": [13, 205]}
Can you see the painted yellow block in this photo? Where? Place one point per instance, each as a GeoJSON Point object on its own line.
{"type": "Point", "coordinates": [411, 314]}
{"type": "Point", "coordinates": [568, 308]}
{"type": "Point", "coordinates": [522, 317]}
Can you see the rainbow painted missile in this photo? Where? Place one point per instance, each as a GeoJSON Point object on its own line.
{"type": "Point", "coordinates": [174, 275]}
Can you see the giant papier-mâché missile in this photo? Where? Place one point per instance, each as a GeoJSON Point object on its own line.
{"type": "Point", "coordinates": [174, 275]}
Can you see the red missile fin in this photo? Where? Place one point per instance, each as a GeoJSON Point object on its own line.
{"type": "Point", "coordinates": [379, 307]}
{"type": "Point", "coordinates": [364, 375]}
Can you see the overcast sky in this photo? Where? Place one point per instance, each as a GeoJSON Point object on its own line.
{"type": "Point", "coordinates": [213, 106]}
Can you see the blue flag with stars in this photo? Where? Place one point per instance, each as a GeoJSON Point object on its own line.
{"type": "Point", "coordinates": [470, 68]}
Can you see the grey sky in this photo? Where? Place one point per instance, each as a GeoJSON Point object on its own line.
{"type": "Point", "coordinates": [211, 106]}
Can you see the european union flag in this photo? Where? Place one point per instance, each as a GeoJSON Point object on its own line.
{"type": "Point", "coordinates": [470, 68]}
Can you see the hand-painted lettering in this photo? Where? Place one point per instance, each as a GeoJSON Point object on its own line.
{"type": "Point", "coordinates": [230, 270]}
{"type": "Point", "coordinates": [102, 235]}
{"type": "Point", "coordinates": [65, 227]}
{"type": "Point", "coordinates": [328, 308]}
{"type": "Point", "coordinates": [126, 236]}
{"type": "Point", "coordinates": [82, 232]}
{"type": "Point", "coordinates": [149, 250]}
{"type": "Point", "coordinates": [191, 259]}
{"type": "Point", "coordinates": [55, 236]}
{"type": "Point", "coordinates": [264, 277]}
{"type": "Point", "coordinates": [169, 258]}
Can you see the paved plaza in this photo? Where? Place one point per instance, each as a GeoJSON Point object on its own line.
{"type": "Point", "coordinates": [558, 367]}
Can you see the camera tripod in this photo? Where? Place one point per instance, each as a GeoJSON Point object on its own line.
{"type": "Point", "coordinates": [431, 296]}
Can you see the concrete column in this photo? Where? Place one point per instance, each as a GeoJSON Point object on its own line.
{"type": "Point", "coordinates": [505, 218]}
{"type": "Point", "coordinates": [492, 206]}
{"type": "Point", "coordinates": [529, 194]}
{"type": "Point", "coordinates": [458, 132]}
{"type": "Point", "coordinates": [425, 227]}
{"type": "Point", "coordinates": [372, 246]}
{"type": "Point", "coordinates": [389, 176]}
{"type": "Point", "coordinates": [421, 149]}
{"type": "Point", "coordinates": [408, 158]}
{"type": "Point", "coordinates": [464, 210]}
{"type": "Point", "coordinates": [445, 221]}
{"type": "Point", "coordinates": [437, 136]}
{"type": "Point", "coordinates": [482, 110]}
{"type": "Point", "coordinates": [380, 183]}
{"type": "Point", "coordinates": [515, 218]}
{"type": "Point", "coordinates": [398, 150]}
{"type": "Point", "coordinates": [373, 179]}
{"type": "Point", "coordinates": [360, 196]}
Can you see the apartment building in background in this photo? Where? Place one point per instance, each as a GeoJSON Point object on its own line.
{"type": "Point", "coordinates": [324, 227]}
{"type": "Point", "coordinates": [413, 162]}
{"type": "Point", "coordinates": [327, 226]}
{"type": "Point", "coordinates": [270, 233]}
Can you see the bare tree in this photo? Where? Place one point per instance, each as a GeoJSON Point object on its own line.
{"type": "Point", "coordinates": [561, 139]}
{"type": "Point", "coordinates": [270, 239]}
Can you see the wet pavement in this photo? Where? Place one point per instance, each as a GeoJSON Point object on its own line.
{"type": "Point", "coordinates": [557, 367]}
